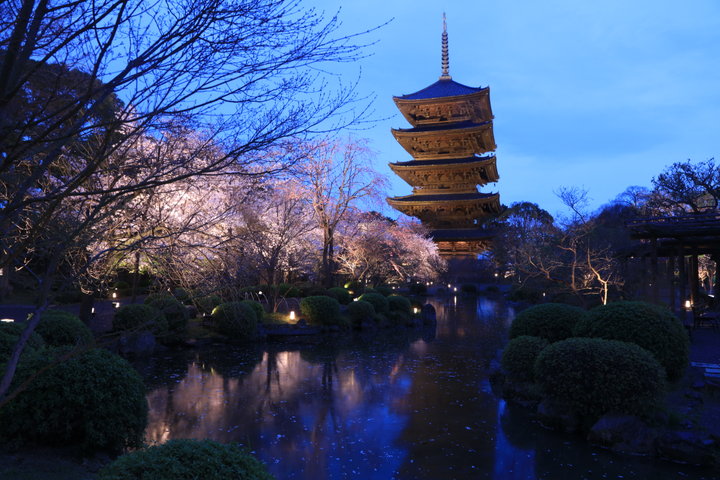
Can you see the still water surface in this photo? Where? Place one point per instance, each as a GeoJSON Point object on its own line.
{"type": "Point", "coordinates": [406, 405]}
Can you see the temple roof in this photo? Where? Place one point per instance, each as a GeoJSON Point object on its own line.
{"type": "Point", "coordinates": [443, 161]}
{"type": "Point", "coordinates": [442, 88]}
{"type": "Point", "coordinates": [444, 197]}
{"type": "Point", "coordinates": [461, 234]}
{"type": "Point", "coordinates": [442, 127]}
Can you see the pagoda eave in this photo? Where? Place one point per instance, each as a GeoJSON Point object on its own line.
{"type": "Point", "coordinates": [439, 175]}
{"type": "Point", "coordinates": [445, 110]}
{"type": "Point", "coordinates": [446, 144]}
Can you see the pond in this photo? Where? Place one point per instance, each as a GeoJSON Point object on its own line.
{"type": "Point", "coordinates": [393, 405]}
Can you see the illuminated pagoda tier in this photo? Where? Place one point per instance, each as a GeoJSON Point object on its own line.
{"type": "Point", "coordinates": [450, 141]}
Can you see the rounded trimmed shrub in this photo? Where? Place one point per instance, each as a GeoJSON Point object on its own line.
{"type": "Point", "coordinates": [236, 320]}
{"type": "Point", "coordinates": [650, 326]}
{"type": "Point", "coordinates": [187, 460]}
{"type": "Point", "coordinates": [59, 328]}
{"type": "Point", "coordinates": [359, 311]}
{"type": "Point", "coordinates": [95, 400]}
{"type": "Point", "coordinates": [137, 317]}
{"type": "Point", "coordinates": [551, 321]}
{"type": "Point", "coordinates": [398, 303]}
{"type": "Point", "coordinates": [10, 334]}
{"type": "Point", "coordinates": [257, 308]}
{"type": "Point", "coordinates": [384, 290]}
{"type": "Point", "coordinates": [175, 312]}
{"type": "Point", "coordinates": [320, 310]}
{"type": "Point", "coordinates": [379, 301]}
{"type": "Point", "coordinates": [288, 291]}
{"type": "Point", "coordinates": [592, 376]}
{"type": "Point", "coordinates": [518, 358]}
{"type": "Point", "coordinates": [207, 303]}
{"type": "Point", "coordinates": [340, 294]}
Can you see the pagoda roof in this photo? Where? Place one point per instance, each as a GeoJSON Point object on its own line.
{"type": "Point", "coordinates": [444, 87]}
{"type": "Point", "coordinates": [444, 161]}
{"type": "Point", "coordinates": [445, 197]}
{"type": "Point", "coordinates": [461, 234]}
{"type": "Point", "coordinates": [442, 127]}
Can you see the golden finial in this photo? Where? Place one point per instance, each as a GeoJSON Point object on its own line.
{"type": "Point", "coordinates": [445, 55]}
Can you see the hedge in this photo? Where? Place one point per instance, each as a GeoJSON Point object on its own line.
{"type": "Point", "coordinates": [136, 317]}
{"type": "Point", "coordinates": [187, 460]}
{"type": "Point", "coordinates": [257, 308]}
{"type": "Point", "coordinates": [379, 301]}
{"type": "Point", "coordinates": [397, 303]}
{"type": "Point", "coordinates": [10, 334]}
{"type": "Point", "coordinates": [340, 294]}
{"type": "Point", "coordinates": [592, 376]}
{"type": "Point", "coordinates": [650, 326]}
{"type": "Point", "coordinates": [59, 328]}
{"type": "Point", "coordinates": [320, 310]}
{"type": "Point", "coordinates": [360, 311]}
{"type": "Point", "coordinates": [175, 312]}
{"type": "Point", "coordinates": [95, 400]}
{"type": "Point", "coordinates": [518, 358]}
{"type": "Point", "coordinates": [551, 321]}
{"type": "Point", "coordinates": [236, 320]}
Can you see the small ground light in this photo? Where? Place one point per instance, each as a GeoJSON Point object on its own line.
{"type": "Point", "coordinates": [260, 292]}
{"type": "Point", "coordinates": [416, 310]}
{"type": "Point", "coordinates": [454, 289]}
{"type": "Point", "coordinates": [114, 295]}
{"type": "Point", "coordinates": [292, 314]}
{"type": "Point", "coordinates": [92, 310]}
{"type": "Point", "coordinates": [449, 285]}
{"type": "Point", "coordinates": [688, 304]}
{"type": "Point", "coordinates": [116, 304]}
{"type": "Point", "coordinates": [7, 320]}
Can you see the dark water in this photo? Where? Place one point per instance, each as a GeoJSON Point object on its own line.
{"type": "Point", "coordinates": [391, 406]}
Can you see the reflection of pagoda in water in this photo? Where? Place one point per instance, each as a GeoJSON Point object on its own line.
{"type": "Point", "coordinates": [451, 143]}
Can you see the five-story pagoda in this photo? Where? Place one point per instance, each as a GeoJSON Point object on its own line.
{"type": "Point", "coordinates": [451, 144]}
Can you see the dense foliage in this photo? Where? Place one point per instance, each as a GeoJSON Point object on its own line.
{"type": "Point", "coordinates": [58, 328]}
{"type": "Point", "coordinates": [9, 335]}
{"type": "Point", "coordinates": [187, 460]}
{"type": "Point", "coordinates": [378, 300]}
{"type": "Point", "coordinates": [340, 294]}
{"type": "Point", "coordinates": [652, 327]}
{"type": "Point", "coordinates": [94, 399]}
{"type": "Point", "coordinates": [137, 317]}
{"type": "Point", "coordinates": [518, 358]}
{"type": "Point", "coordinates": [320, 310]}
{"type": "Point", "coordinates": [398, 303]}
{"type": "Point", "coordinates": [175, 312]}
{"type": "Point", "coordinates": [360, 311]}
{"type": "Point", "coordinates": [256, 307]}
{"type": "Point", "coordinates": [383, 290]}
{"type": "Point", "coordinates": [551, 321]}
{"type": "Point", "coordinates": [207, 303]}
{"type": "Point", "coordinates": [236, 320]}
{"type": "Point", "coordinates": [592, 376]}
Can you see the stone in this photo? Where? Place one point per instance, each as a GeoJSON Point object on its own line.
{"type": "Point", "coordinates": [623, 433]}
{"type": "Point", "coordinates": [687, 447]}
{"type": "Point", "coordinates": [556, 417]}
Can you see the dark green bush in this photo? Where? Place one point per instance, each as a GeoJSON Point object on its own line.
{"type": "Point", "coordinates": [518, 358]}
{"type": "Point", "coordinates": [10, 334]}
{"type": "Point", "coordinates": [551, 321]}
{"type": "Point", "coordinates": [359, 311]}
{"type": "Point", "coordinates": [288, 291]}
{"type": "Point", "coordinates": [418, 289]}
{"type": "Point", "coordinates": [236, 320]}
{"type": "Point", "coordinates": [257, 308]}
{"type": "Point", "coordinates": [182, 295]}
{"type": "Point", "coordinates": [187, 460]}
{"type": "Point", "coordinates": [592, 376]}
{"type": "Point", "coordinates": [397, 318]}
{"type": "Point", "coordinates": [524, 294]}
{"type": "Point", "coordinates": [384, 290]}
{"type": "Point", "coordinates": [652, 327]}
{"type": "Point", "coordinates": [380, 302]}
{"type": "Point", "coordinates": [398, 303]}
{"type": "Point", "coordinates": [58, 328]}
{"type": "Point", "coordinates": [94, 399]}
{"type": "Point", "coordinates": [207, 303]}
{"type": "Point", "coordinates": [340, 294]}
{"type": "Point", "coordinates": [137, 317]}
{"type": "Point", "coordinates": [320, 310]}
{"type": "Point", "coordinates": [175, 312]}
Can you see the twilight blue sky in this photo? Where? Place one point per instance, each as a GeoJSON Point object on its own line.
{"type": "Point", "coordinates": [600, 95]}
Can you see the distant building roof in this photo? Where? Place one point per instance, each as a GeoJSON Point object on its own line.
{"type": "Point", "coordinates": [443, 127]}
{"type": "Point", "coordinates": [442, 88]}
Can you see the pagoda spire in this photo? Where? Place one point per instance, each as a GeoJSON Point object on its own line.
{"type": "Point", "coordinates": [445, 54]}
